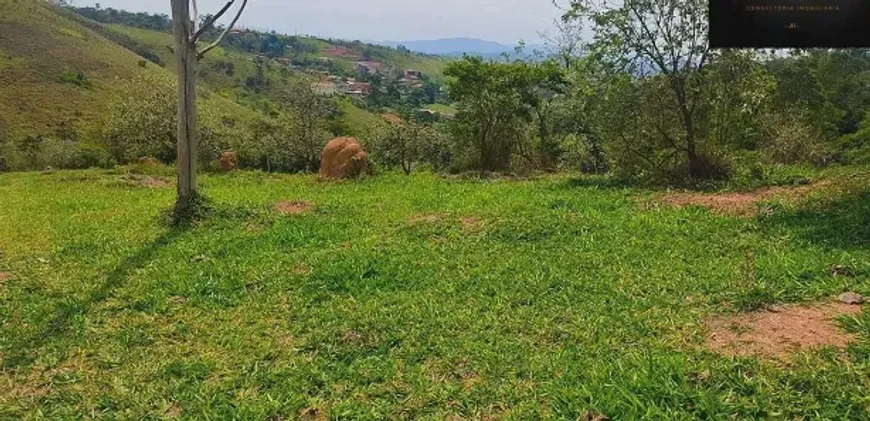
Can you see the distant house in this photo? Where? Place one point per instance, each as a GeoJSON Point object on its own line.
{"type": "Point", "coordinates": [358, 90]}
{"type": "Point", "coordinates": [413, 74]}
{"type": "Point", "coordinates": [364, 88]}
{"type": "Point", "coordinates": [358, 95]}
{"type": "Point", "coordinates": [341, 86]}
{"type": "Point", "coordinates": [369, 67]}
{"type": "Point", "coordinates": [362, 69]}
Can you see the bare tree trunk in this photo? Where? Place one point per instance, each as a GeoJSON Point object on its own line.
{"type": "Point", "coordinates": [186, 58]}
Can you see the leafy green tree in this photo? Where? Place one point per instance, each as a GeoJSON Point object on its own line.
{"type": "Point", "coordinates": [739, 91]}
{"type": "Point", "coordinates": [497, 103]}
{"type": "Point", "coordinates": [312, 114]}
{"type": "Point", "coordinates": [412, 143]}
{"type": "Point", "coordinates": [665, 42]}
{"type": "Point", "coordinates": [142, 121]}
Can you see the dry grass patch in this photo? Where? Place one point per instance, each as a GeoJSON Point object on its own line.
{"type": "Point", "coordinates": [425, 218]}
{"type": "Point", "coordinates": [296, 207]}
{"type": "Point", "coordinates": [145, 181]}
{"type": "Point", "coordinates": [312, 414]}
{"type": "Point", "coordinates": [472, 224]}
{"type": "Point", "coordinates": [781, 330]}
{"type": "Point", "coordinates": [741, 204]}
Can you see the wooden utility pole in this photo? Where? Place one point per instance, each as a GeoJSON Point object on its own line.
{"type": "Point", "coordinates": [186, 36]}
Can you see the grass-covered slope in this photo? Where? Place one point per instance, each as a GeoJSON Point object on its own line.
{"type": "Point", "coordinates": [60, 71]}
{"type": "Point", "coordinates": [411, 298]}
{"type": "Point", "coordinates": [55, 71]}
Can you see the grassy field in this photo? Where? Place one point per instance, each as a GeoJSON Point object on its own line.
{"type": "Point", "coordinates": [414, 298]}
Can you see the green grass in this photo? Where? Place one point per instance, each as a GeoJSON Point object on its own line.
{"type": "Point", "coordinates": [410, 298]}
{"type": "Point", "coordinates": [359, 122]}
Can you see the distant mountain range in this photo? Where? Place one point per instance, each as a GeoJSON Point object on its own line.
{"type": "Point", "coordinates": [457, 47]}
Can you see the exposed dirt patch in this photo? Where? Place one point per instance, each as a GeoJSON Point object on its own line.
{"type": "Point", "coordinates": [144, 181]}
{"type": "Point", "coordinates": [341, 52]}
{"type": "Point", "coordinates": [743, 204]}
{"type": "Point", "coordinates": [174, 411]}
{"type": "Point", "coordinates": [4, 276]}
{"type": "Point", "coordinates": [780, 331]}
{"type": "Point", "coordinates": [296, 207]}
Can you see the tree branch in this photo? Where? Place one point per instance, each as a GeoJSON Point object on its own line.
{"type": "Point", "coordinates": [227, 30]}
{"type": "Point", "coordinates": [210, 22]}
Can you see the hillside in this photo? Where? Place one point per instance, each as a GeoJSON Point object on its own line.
{"type": "Point", "coordinates": [54, 71]}
{"type": "Point", "coordinates": [301, 51]}
{"type": "Point", "coordinates": [60, 71]}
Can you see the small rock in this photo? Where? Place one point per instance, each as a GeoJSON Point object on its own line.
{"type": "Point", "coordinates": [775, 309]}
{"type": "Point", "coordinates": [42, 260]}
{"type": "Point", "coordinates": [852, 298]}
{"type": "Point", "coordinates": [200, 258]}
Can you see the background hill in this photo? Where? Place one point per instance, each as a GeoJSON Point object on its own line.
{"type": "Point", "coordinates": [55, 71]}
{"type": "Point", "coordinates": [62, 68]}
{"type": "Point", "coordinates": [457, 47]}
{"type": "Point", "coordinates": [452, 46]}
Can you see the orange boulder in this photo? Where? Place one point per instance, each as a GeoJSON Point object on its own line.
{"type": "Point", "coordinates": [228, 161]}
{"type": "Point", "coordinates": [344, 157]}
{"type": "Point", "coordinates": [148, 161]}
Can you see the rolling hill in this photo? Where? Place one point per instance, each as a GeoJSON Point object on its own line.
{"type": "Point", "coordinates": [60, 70]}
{"type": "Point", "coordinates": [55, 71]}
{"type": "Point", "coordinates": [457, 47]}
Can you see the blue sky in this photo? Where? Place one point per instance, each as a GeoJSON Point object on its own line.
{"type": "Point", "coordinates": [506, 21]}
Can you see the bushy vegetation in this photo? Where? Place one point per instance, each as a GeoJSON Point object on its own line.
{"type": "Point", "coordinates": [652, 106]}
{"type": "Point", "coordinates": [647, 99]}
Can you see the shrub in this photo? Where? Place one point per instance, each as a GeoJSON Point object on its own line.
{"type": "Point", "coordinates": [142, 122]}
{"type": "Point", "coordinates": [75, 77]}
{"type": "Point", "coordinates": [790, 141]}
